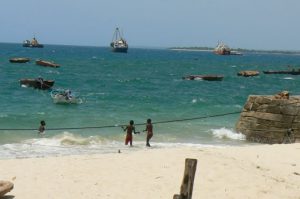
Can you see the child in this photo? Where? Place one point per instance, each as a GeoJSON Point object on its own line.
{"type": "Point", "coordinates": [129, 128]}
{"type": "Point", "coordinates": [149, 129]}
{"type": "Point", "coordinates": [42, 127]}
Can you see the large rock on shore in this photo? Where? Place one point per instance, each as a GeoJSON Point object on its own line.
{"type": "Point", "coordinates": [271, 119]}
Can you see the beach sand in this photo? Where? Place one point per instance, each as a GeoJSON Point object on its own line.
{"type": "Point", "coordinates": [258, 172]}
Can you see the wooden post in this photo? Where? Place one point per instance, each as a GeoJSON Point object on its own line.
{"type": "Point", "coordinates": [186, 189]}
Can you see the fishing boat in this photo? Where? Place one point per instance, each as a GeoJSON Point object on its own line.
{"type": "Point", "coordinates": [46, 63]}
{"type": "Point", "coordinates": [222, 49]}
{"type": "Point", "coordinates": [38, 83]}
{"type": "Point", "coordinates": [290, 72]}
{"type": "Point", "coordinates": [5, 187]}
{"type": "Point", "coordinates": [61, 96]}
{"type": "Point", "coordinates": [32, 44]}
{"type": "Point", "coordinates": [19, 60]}
{"type": "Point", "coordinates": [204, 77]}
{"type": "Point", "coordinates": [118, 43]}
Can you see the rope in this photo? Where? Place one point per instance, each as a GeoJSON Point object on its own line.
{"type": "Point", "coordinates": [113, 126]}
{"type": "Point", "coordinates": [195, 118]}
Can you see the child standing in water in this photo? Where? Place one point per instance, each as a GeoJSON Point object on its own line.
{"type": "Point", "coordinates": [129, 128]}
{"type": "Point", "coordinates": [149, 129]}
{"type": "Point", "coordinates": [42, 127]}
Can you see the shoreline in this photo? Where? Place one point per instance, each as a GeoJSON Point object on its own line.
{"type": "Point", "coordinates": [67, 143]}
{"type": "Point", "coordinates": [260, 171]}
{"type": "Point", "coordinates": [287, 52]}
{"type": "Point", "coordinates": [32, 150]}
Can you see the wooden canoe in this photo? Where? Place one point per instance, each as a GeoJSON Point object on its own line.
{"type": "Point", "coordinates": [37, 83]}
{"type": "Point", "coordinates": [47, 63]}
{"type": "Point", "coordinates": [19, 60]}
{"type": "Point", "coordinates": [291, 72]}
{"type": "Point", "coordinates": [204, 77]}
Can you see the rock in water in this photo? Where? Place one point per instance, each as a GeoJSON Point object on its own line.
{"type": "Point", "coordinates": [248, 73]}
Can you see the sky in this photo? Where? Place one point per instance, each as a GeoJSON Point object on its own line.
{"type": "Point", "coordinates": [250, 24]}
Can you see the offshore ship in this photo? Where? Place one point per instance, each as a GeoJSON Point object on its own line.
{"type": "Point", "coordinates": [222, 49]}
{"type": "Point", "coordinates": [32, 44]}
{"type": "Point", "coordinates": [118, 43]}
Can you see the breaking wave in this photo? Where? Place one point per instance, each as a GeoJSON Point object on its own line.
{"type": "Point", "coordinates": [224, 133]}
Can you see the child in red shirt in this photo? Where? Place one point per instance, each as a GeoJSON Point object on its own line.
{"type": "Point", "coordinates": [129, 128]}
{"type": "Point", "coordinates": [149, 129]}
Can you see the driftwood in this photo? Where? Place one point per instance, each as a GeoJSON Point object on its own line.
{"type": "Point", "coordinates": [186, 189]}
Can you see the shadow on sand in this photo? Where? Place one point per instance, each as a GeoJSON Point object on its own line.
{"type": "Point", "coordinates": [7, 197]}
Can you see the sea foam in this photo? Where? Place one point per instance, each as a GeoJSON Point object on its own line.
{"type": "Point", "coordinates": [59, 145]}
{"type": "Point", "coordinates": [224, 133]}
{"type": "Point", "coordinates": [288, 78]}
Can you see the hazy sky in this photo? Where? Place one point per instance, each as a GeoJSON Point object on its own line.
{"type": "Point", "coordinates": [252, 24]}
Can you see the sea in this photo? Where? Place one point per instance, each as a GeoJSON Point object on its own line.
{"type": "Point", "coordinates": [115, 88]}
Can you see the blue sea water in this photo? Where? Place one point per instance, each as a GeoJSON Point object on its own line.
{"type": "Point", "coordinates": [117, 87]}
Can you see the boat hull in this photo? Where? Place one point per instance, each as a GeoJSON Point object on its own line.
{"type": "Point", "coordinates": [33, 46]}
{"type": "Point", "coordinates": [222, 52]}
{"type": "Point", "coordinates": [35, 83]}
{"type": "Point", "coordinates": [204, 77]}
{"type": "Point", "coordinates": [19, 60]}
{"type": "Point", "coordinates": [282, 72]}
{"type": "Point", "coordinates": [47, 64]}
{"type": "Point", "coordinates": [120, 49]}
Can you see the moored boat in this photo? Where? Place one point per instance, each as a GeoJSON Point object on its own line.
{"type": "Point", "coordinates": [222, 49]}
{"type": "Point", "coordinates": [204, 77]}
{"type": "Point", "coordinates": [290, 72]}
{"type": "Point", "coordinates": [38, 83]}
{"type": "Point", "coordinates": [65, 97]}
{"type": "Point", "coordinates": [19, 60]}
{"type": "Point", "coordinates": [32, 44]}
{"type": "Point", "coordinates": [118, 43]}
{"type": "Point", "coordinates": [46, 63]}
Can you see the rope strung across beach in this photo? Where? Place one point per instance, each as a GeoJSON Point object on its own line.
{"type": "Point", "coordinates": [194, 118]}
{"type": "Point", "coordinates": [117, 125]}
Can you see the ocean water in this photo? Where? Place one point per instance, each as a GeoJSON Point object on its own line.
{"type": "Point", "coordinates": [117, 87]}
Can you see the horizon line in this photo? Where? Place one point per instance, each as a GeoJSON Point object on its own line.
{"type": "Point", "coordinates": [160, 47]}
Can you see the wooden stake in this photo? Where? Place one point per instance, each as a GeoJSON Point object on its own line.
{"type": "Point", "coordinates": [186, 189]}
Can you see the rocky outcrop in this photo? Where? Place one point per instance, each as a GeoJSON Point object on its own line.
{"type": "Point", "coordinates": [271, 119]}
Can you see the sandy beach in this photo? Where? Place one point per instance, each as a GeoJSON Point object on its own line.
{"type": "Point", "coordinates": [261, 171]}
